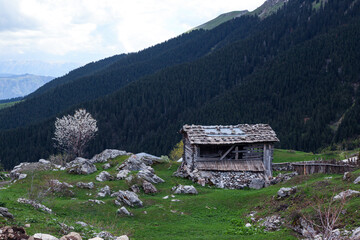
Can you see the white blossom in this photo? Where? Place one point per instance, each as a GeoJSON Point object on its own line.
{"type": "Point", "coordinates": [72, 133]}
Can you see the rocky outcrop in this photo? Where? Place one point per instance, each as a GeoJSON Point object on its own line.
{"type": "Point", "coordinates": [271, 223]}
{"type": "Point", "coordinates": [104, 176]}
{"type": "Point", "coordinates": [187, 189]}
{"type": "Point", "coordinates": [149, 176]}
{"type": "Point", "coordinates": [5, 213]}
{"type": "Point", "coordinates": [129, 198]}
{"type": "Point", "coordinates": [123, 211]}
{"type": "Point", "coordinates": [89, 185]}
{"type": "Point", "coordinates": [71, 236]}
{"type": "Point", "coordinates": [107, 154]}
{"type": "Point", "coordinates": [106, 166]}
{"type": "Point", "coordinates": [122, 174]}
{"type": "Point", "coordinates": [29, 167]}
{"type": "Point", "coordinates": [81, 166]}
{"type": "Point", "coordinates": [346, 194]}
{"type": "Point", "coordinates": [58, 186]}
{"type": "Point", "coordinates": [148, 187]}
{"type": "Point", "coordinates": [285, 191]}
{"type": "Point", "coordinates": [356, 234]}
{"type": "Point", "coordinates": [35, 205]}
{"type": "Point", "coordinates": [105, 191]}
{"type": "Point", "coordinates": [357, 180]}
{"type": "Point", "coordinates": [257, 183]}
{"type": "Point", "coordinates": [133, 163]}
{"type": "Point", "coordinates": [44, 236]}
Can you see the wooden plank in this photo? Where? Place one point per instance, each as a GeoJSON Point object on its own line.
{"type": "Point", "coordinates": [227, 152]}
{"type": "Point", "coordinates": [236, 153]}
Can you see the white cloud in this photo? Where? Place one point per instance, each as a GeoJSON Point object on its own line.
{"type": "Point", "coordinates": [85, 30]}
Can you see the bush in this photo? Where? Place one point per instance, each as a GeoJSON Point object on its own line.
{"type": "Point", "coordinates": [177, 152]}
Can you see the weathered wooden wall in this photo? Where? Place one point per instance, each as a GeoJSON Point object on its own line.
{"type": "Point", "coordinates": [321, 167]}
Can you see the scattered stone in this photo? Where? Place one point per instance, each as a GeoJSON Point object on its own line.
{"type": "Point", "coordinates": [284, 192]}
{"type": "Point", "coordinates": [27, 225]}
{"type": "Point", "coordinates": [34, 204]}
{"type": "Point", "coordinates": [96, 238]}
{"type": "Point", "coordinates": [135, 188]}
{"type": "Point", "coordinates": [107, 154]}
{"type": "Point", "coordinates": [43, 161]}
{"type": "Point", "coordinates": [166, 197]}
{"type": "Point", "coordinates": [58, 186]}
{"type": "Point", "coordinates": [346, 194]}
{"type": "Point", "coordinates": [106, 166]}
{"type": "Point", "coordinates": [89, 185]}
{"type": "Point", "coordinates": [117, 203]}
{"type": "Point", "coordinates": [257, 183]}
{"type": "Point", "coordinates": [124, 211]}
{"type": "Point", "coordinates": [129, 198]}
{"type": "Point", "coordinates": [106, 235]}
{"type": "Point", "coordinates": [328, 177]}
{"type": "Point", "coordinates": [105, 191]}
{"type": "Point", "coordinates": [248, 225]}
{"type": "Point", "coordinates": [5, 213]}
{"type": "Point", "coordinates": [187, 189]}
{"type": "Point", "coordinates": [175, 200]}
{"type": "Point", "coordinates": [44, 236]}
{"type": "Point", "coordinates": [71, 236]}
{"type": "Point", "coordinates": [149, 188]}
{"type": "Point", "coordinates": [122, 237]}
{"type": "Point", "coordinates": [81, 166]}
{"type": "Point", "coordinates": [271, 223]}
{"type": "Point", "coordinates": [22, 176]}
{"type": "Point", "coordinates": [149, 176]}
{"type": "Point", "coordinates": [356, 234]}
{"type": "Point", "coordinates": [347, 176]}
{"type": "Point", "coordinates": [357, 180]}
{"type": "Point", "coordinates": [122, 174]}
{"type": "Point", "coordinates": [104, 176]}
{"type": "Point", "coordinates": [133, 163]}
{"type": "Point", "coordinates": [96, 201]}
{"type": "Point", "coordinates": [83, 224]}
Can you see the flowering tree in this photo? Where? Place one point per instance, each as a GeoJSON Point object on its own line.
{"type": "Point", "coordinates": [72, 133]}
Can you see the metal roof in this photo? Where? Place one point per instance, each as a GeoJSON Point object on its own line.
{"type": "Point", "coordinates": [229, 134]}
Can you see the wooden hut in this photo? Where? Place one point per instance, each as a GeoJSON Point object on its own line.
{"type": "Point", "coordinates": [242, 147]}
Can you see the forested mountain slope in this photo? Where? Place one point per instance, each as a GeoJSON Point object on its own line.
{"type": "Point", "coordinates": [297, 70]}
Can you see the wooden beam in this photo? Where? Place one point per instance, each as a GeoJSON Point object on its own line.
{"type": "Point", "coordinates": [237, 153]}
{"type": "Point", "coordinates": [227, 152]}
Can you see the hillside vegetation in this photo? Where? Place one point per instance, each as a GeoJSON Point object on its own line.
{"type": "Point", "coordinates": [296, 69]}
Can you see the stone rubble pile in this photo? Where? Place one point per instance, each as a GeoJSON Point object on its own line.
{"type": "Point", "coordinates": [81, 166]}
{"type": "Point", "coordinates": [34, 204]}
{"type": "Point", "coordinates": [107, 154]}
{"type": "Point", "coordinates": [89, 185]}
{"type": "Point", "coordinates": [104, 176]}
{"type": "Point", "coordinates": [184, 189]}
{"type": "Point", "coordinates": [105, 191]}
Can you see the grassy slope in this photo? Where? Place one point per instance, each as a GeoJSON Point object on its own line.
{"type": "Point", "coordinates": [208, 215]}
{"type": "Point", "coordinates": [220, 19]}
{"type": "Point", "coordinates": [5, 105]}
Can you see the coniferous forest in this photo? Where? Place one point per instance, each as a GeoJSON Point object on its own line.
{"type": "Point", "coordinates": [297, 69]}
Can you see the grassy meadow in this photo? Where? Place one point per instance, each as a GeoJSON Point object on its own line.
{"type": "Point", "coordinates": [212, 214]}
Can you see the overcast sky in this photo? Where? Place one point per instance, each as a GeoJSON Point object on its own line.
{"type": "Point", "coordinates": [87, 30]}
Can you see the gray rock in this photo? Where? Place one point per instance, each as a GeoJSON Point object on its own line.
{"type": "Point", "coordinates": [129, 198]}
{"type": "Point", "coordinates": [106, 235]}
{"type": "Point", "coordinates": [83, 224]}
{"type": "Point", "coordinates": [105, 191]}
{"type": "Point", "coordinates": [257, 183]}
{"type": "Point", "coordinates": [149, 176]}
{"type": "Point", "coordinates": [22, 176]}
{"type": "Point", "coordinates": [106, 166]}
{"type": "Point", "coordinates": [357, 180]}
{"type": "Point", "coordinates": [122, 237]}
{"type": "Point", "coordinates": [71, 236]}
{"type": "Point", "coordinates": [34, 204]}
{"type": "Point", "coordinates": [122, 174]}
{"type": "Point", "coordinates": [43, 161]}
{"type": "Point", "coordinates": [44, 236]}
{"type": "Point", "coordinates": [124, 211]}
{"type": "Point", "coordinates": [356, 234]}
{"type": "Point", "coordinates": [104, 176]}
{"type": "Point", "coordinates": [60, 187]}
{"type": "Point", "coordinates": [133, 163]}
{"type": "Point", "coordinates": [117, 203]}
{"type": "Point", "coordinates": [148, 159]}
{"type": "Point", "coordinates": [89, 185]}
{"type": "Point", "coordinates": [5, 213]}
{"type": "Point", "coordinates": [81, 166]}
{"type": "Point", "coordinates": [149, 188]}
{"type": "Point", "coordinates": [284, 192]}
{"type": "Point", "coordinates": [272, 223]}
{"type": "Point", "coordinates": [107, 154]}
{"type": "Point", "coordinates": [135, 188]}
{"type": "Point", "coordinates": [346, 194]}
{"type": "Point", "coordinates": [184, 189]}
{"type": "Point", "coordinates": [96, 201]}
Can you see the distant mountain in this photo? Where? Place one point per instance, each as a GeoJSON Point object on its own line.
{"type": "Point", "coordinates": [37, 68]}
{"type": "Point", "coordinates": [12, 86]}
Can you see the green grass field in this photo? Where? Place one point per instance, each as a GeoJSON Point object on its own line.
{"type": "Point", "coordinates": [212, 214]}
{"type": "Point", "coordinates": [6, 105]}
